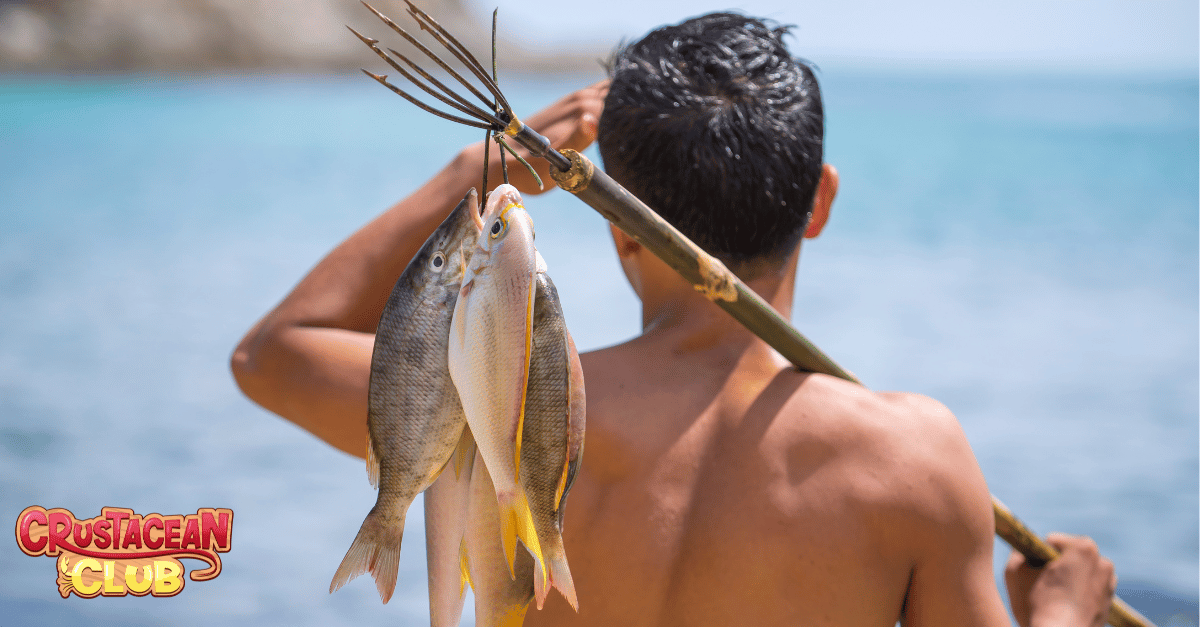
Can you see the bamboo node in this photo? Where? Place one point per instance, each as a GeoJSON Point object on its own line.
{"type": "Point", "coordinates": [578, 177]}
{"type": "Point", "coordinates": [716, 281]}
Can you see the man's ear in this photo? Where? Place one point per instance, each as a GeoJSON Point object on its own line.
{"type": "Point", "coordinates": [627, 254]}
{"type": "Point", "coordinates": [626, 245]}
{"type": "Point", "coordinates": [822, 201]}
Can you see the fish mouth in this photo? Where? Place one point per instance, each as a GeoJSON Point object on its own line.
{"type": "Point", "coordinates": [475, 210]}
{"type": "Point", "coordinates": [501, 199]}
{"type": "Point", "coordinates": [508, 195]}
{"type": "Point", "coordinates": [468, 206]}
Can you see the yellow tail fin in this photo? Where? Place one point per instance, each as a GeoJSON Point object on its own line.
{"type": "Point", "coordinates": [516, 521]}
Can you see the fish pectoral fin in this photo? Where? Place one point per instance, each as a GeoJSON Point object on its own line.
{"type": "Point", "coordinates": [516, 522]}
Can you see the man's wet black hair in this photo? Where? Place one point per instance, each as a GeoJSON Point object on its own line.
{"type": "Point", "coordinates": [719, 129]}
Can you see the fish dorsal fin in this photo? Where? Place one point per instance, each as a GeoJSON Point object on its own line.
{"type": "Point", "coordinates": [372, 462]}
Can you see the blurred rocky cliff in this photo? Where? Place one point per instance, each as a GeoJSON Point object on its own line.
{"type": "Point", "coordinates": [236, 35]}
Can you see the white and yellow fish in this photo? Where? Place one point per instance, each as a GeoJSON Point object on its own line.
{"type": "Point", "coordinates": [489, 348]}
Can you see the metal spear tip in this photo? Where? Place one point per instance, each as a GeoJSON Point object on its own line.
{"type": "Point", "coordinates": [494, 115]}
{"type": "Point", "coordinates": [382, 78]}
{"type": "Point", "coordinates": [387, 20]}
{"type": "Point", "coordinates": [366, 40]}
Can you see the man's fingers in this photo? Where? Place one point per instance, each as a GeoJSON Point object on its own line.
{"type": "Point", "coordinates": [584, 133]}
{"type": "Point", "coordinates": [1059, 540]}
{"type": "Point", "coordinates": [1063, 542]}
{"type": "Point", "coordinates": [1015, 561]}
{"type": "Point", "coordinates": [1080, 580]}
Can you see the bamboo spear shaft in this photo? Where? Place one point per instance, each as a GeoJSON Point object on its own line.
{"type": "Point", "coordinates": [576, 174]}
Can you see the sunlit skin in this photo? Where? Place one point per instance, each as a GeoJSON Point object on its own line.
{"type": "Point", "coordinates": [719, 485]}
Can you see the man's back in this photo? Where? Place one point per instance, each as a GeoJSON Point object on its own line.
{"type": "Point", "coordinates": [730, 489]}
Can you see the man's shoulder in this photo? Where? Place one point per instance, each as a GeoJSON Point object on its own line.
{"type": "Point", "coordinates": [893, 421]}
{"type": "Point", "coordinates": [927, 476]}
{"type": "Point", "coordinates": [897, 448]}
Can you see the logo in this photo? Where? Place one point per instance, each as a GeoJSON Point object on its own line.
{"type": "Point", "coordinates": [119, 552]}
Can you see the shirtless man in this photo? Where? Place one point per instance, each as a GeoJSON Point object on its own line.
{"type": "Point", "coordinates": [720, 486]}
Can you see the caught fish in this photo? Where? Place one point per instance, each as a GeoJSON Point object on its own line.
{"type": "Point", "coordinates": [490, 342]}
{"type": "Point", "coordinates": [415, 419]}
{"type": "Point", "coordinates": [446, 503]}
{"type": "Point", "coordinates": [552, 439]}
{"type": "Point", "coordinates": [502, 589]}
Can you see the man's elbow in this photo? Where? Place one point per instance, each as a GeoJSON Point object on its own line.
{"type": "Point", "coordinates": [246, 363]}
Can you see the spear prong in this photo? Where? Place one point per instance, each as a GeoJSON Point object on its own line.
{"type": "Point", "coordinates": [382, 78]}
{"type": "Point", "coordinates": [422, 17]}
{"type": "Point", "coordinates": [487, 150]}
{"type": "Point", "coordinates": [466, 107]}
{"type": "Point", "coordinates": [475, 109]}
{"type": "Point", "coordinates": [431, 54]}
{"type": "Point", "coordinates": [444, 37]}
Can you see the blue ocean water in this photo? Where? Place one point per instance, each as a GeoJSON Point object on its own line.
{"type": "Point", "coordinates": [1023, 248]}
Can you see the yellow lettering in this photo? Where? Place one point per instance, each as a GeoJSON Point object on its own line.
{"type": "Point", "coordinates": [166, 578]}
{"type": "Point", "coordinates": [131, 579]}
{"type": "Point", "coordinates": [77, 576]}
{"type": "Point", "coordinates": [111, 587]}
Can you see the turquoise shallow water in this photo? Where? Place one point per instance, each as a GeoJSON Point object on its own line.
{"type": "Point", "coordinates": [1022, 248]}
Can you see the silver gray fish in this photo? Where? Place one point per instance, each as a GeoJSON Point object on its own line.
{"type": "Point", "coordinates": [415, 419]}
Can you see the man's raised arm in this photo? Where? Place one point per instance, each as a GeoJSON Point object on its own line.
{"type": "Point", "coordinates": [309, 359]}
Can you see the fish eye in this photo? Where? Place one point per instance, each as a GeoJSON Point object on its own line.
{"type": "Point", "coordinates": [497, 228]}
{"type": "Point", "coordinates": [438, 261]}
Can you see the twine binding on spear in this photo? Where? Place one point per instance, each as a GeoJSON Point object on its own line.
{"type": "Point", "coordinates": [576, 174]}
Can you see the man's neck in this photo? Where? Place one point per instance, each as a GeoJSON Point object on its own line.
{"type": "Point", "coordinates": [674, 313]}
